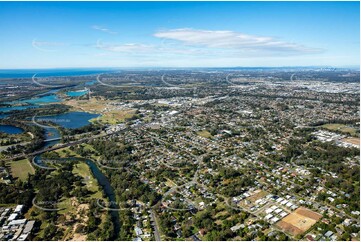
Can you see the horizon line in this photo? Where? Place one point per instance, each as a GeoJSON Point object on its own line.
{"type": "Point", "coordinates": [184, 67]}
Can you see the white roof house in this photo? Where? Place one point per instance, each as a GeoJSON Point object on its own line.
{"type": "Point", "coordinates": [17, 222]}
{"type": "Point", "coordinates": [284, 202]}
{"type": "Point", "coordinates": [269, 210]}
{"type": "Point", "coordinates": [274, 220]}
{"type": "Point", "coordinates": [294, 207]}
{"type": "Point", "coordinates": [269, 216]}
{"type": "Point", "coordinates": [328, 233]}
{"type": "Point", "coordinates": [274, 207]}
{"type": "Point", "coordinates": [19, 209]}
{"type": "Point", "coordinates": [12, 216]}
{"type": "Point", "coordinates": [236, 227]}
{"type": "Point", "coordinates": [278, 210]}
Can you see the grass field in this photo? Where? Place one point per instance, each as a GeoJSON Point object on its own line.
{"type": "Point", "coordinates": [205, 134]}
{"type": "Point", "coordinates": [299, 221]}
{"type": "Point", "coordinates": [116, 116]}
{"type": "Point", "coordinates": [66, 152]}
{"type": "Point", "coordinates": [84, 171]}
{"type": "Point", "coordinates": [21, 169]}
{"type": "Point", "coordinates": [341, 128]}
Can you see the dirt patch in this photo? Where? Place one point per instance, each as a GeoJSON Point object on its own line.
{"type": "Point", "coordinates": [354, 141]}
{"type": "Point", "coordinates": [289, 228]}
{"type": "Point", "coordinates": [299, 221]}
{"type": "Point", "coordinates": [79, 237]}
{"type": "Point", "coordinates": [308, 213]}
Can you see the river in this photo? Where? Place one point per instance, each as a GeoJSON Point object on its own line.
{"type": "Point", "coordinates": [97, 173]}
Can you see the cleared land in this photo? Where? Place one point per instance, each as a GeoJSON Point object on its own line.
{"type": "Point", "coordinates": [93, 105]}
{"type": "Point", "coordinates": [21, 169]}
{"type": "Point", "coordinates": [299, 221]}
{"type": "Point", "coordinates": [355, 141]}
{"type": "Point", "coordinates": [341, 128]}
{"type": "Point", "coordinates": [257, 195]}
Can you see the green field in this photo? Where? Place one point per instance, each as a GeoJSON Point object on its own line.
{"type": "Point", "coordinates": [115, 116]}
{"type": "Point", "coordinates": [341, 128]}
{"type": "Point", "coordinates": [204, 133]}
{"type": "Point", "coordinates": [21, 169]}
{"type": "Point", "coordinates": [66, 152]}
{"type": "Point", "coordinates": [83, 170]}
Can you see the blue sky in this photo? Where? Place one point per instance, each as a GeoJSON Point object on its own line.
{"type": "Point", "coordinates": [178, 34]}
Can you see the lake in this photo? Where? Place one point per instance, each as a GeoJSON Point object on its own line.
{"type": "Point", "coordinates": [71, 120]}
{"type": "Point", "coordinates": [10, 129]}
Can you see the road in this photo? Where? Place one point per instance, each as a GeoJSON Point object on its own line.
{"type": "Point", "coordinates": [156, 227]}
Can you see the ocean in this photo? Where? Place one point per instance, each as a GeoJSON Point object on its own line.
{"type": "Point", "coordinates": [28, 73]}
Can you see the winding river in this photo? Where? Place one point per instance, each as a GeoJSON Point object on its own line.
{"type": "Point", "coordinates": [97, 173]}
{"type": "Point", "coordinates": [67, 120]}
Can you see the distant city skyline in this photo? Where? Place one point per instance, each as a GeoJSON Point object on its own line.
{"type": "Point", "coordinates": [179, 34]}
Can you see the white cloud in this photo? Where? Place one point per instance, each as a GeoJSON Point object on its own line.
{"type": "Point", "coordinates": [232, 40]}
{"type": "Point", "coordinates": [103, 29]}
{"type": "Point", "coordinates": [128, 47]}
{"type": "Point", "coordinates": [46, 45]}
